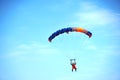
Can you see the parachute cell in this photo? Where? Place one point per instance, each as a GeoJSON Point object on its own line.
{"type": "Point", "coordinates": [67, 30]}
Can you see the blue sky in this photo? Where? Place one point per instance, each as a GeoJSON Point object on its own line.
{"type": "Point", "coordinates": [26, 54]}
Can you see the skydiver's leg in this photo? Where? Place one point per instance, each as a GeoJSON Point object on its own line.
{"type": "Point", "coordinates": [75, 69]}
{"type": "Point", "coordinates": [72, 70]}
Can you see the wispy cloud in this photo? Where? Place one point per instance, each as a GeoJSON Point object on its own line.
{"type": "Point", "coordinates": [91, 14]}
{"type": "Point", "coordinates": [89, 45]}
{"type": "Point", "coordinates": [32, 49]}
{"type": "Point", "coordinates": [111, 50]}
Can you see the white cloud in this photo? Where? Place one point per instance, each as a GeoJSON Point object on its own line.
{"type": "Point", "coordinates": [97, 17]}
{"type": "Point", "coordinates": [111, 50]}
{"type": "Point", "coordinates": [104, 55]}
{"type": "Point", "coordinates": [89, 45]}
{"type": "Point", "coordinates": [33, 49]}
{"type": "Point", "coordinates": [91, 14]}
{"type": "Point", "coordinates": [92, 47]}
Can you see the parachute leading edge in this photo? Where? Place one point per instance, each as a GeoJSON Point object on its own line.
{"type": "Point", "coordinates": [67, 30]}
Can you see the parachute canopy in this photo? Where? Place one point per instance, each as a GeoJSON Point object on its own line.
{"type": "Point", "coordinates": [69, 29]}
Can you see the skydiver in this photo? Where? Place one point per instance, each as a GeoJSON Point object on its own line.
{"type": "Point", "coordinates": [73, 63]}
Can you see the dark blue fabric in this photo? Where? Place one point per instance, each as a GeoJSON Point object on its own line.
{"type": "Point", "coordinates": [89, 34]}
{"type": "Point", "coordinates": [60, 32]}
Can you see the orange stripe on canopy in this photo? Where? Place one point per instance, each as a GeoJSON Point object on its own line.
{"type": "Point", "coordinates": [79, 29]}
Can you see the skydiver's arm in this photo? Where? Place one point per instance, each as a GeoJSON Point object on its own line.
{"type": "Point", "coordinates": [75, 61]}
{"type": "Point", "coordinates": [71, 61]}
